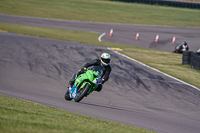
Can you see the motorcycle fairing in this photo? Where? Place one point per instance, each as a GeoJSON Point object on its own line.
{"type": "Point", "coordinates": [82, 80]}
{"type": "Point", "coordinates": [73, 91]}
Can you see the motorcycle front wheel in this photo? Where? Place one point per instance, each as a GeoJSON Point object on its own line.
{"type": "Point", "coordinates": [82, 92]}
{"type": "Point", "coordinates": [67, 96]}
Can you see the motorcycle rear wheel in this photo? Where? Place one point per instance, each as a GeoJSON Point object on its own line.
{"type": "Point", "coordinates": [82, 93]}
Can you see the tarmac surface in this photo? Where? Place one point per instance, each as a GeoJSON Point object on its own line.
{"type": "Point", "coordinates": [38, 69]}
{"type": "Point", "coordinates": [122, 33]}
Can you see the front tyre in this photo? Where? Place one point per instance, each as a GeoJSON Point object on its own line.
{"type": "Point", "coordinates": [67, 96]}
{"type": "Point", "coordinates": [82, 92]}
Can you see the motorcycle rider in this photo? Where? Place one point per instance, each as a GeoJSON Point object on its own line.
{"type": "Point", "coordinates": [184, 47]}
{"type": "Point", "coordinates": [103, 63]}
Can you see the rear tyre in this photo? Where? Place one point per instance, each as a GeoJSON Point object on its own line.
{"type": "Point", "coordinates": [187, 53]}
{"type": "Point", "coordinates": [67, 96]}
{"type": "Point", "coordinates": [185, 62]}
{"type": "Point", "coordinates": [186, 58]}
{"type": "Point", "coordinates": [81, 93]}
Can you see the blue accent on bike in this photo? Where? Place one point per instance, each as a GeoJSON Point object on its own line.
{"type": "Point", "coordinates": [73, 91]}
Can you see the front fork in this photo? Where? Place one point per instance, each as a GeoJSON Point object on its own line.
{"type": "Point", "coordinates": [72, 80]}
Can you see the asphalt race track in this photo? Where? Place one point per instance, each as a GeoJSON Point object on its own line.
{"type": "Point", "coordinates": [123, 34]}
{"type": "Point", "coordinates": [38, 69]}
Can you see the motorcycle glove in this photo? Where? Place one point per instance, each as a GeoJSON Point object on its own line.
{"type": "Point", "coordinates": [98, 81]}
{"type": "Point", "coordinates": [83, 69]}
{"type": "Point", "coordinates": [103, 81]}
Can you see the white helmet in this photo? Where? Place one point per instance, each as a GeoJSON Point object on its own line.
{"type": "Point", "coordinates": [105, 59]}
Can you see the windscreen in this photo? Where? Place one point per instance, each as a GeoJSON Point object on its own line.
{"type": "Point", "coordinates": [97, 69]}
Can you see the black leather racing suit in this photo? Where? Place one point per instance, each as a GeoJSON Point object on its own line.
{"type": "Point", "coordinates": [105, 75]}
{"type": "Point", "coordinates": [106, 69]}
{"type": "Point", "coordinates": [184, 48]}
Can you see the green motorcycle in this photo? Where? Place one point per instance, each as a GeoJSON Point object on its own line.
{"type": "Point", "coordinates": [84, 84]}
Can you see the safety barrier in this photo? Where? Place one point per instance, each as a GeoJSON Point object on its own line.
{"type": "Point", "coordinates": [165, 3]}
{"type": "Point", "coordinates": [191, 58]}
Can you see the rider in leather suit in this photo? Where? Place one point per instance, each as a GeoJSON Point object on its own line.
{"type": "Point", "coordinates": [184, 47]}
{"type": "Point", "coordinates": [103, 63]}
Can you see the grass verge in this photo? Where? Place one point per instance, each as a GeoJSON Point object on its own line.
{"type": "Point", "coordinates": [169, 63]}
{"type": "Point", "coordinates": [103, 11]}
{"type": "Point", "coordinates": [19, 116]}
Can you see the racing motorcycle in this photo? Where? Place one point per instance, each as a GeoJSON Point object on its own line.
{"type": "Point", "coordinates": [177, 49]}
{"type": "Point", "coordinates": [84, 84]}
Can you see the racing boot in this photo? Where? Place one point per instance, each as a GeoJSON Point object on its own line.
{"type": "Point", "coordinates": [99, 88]}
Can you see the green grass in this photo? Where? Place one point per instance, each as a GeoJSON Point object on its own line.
{"type": "Point", "coordinates": [103, 11]}
{"type": "Point", "coordinates": [19, 116]}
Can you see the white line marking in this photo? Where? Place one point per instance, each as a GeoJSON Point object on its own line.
{"type": "Point", "coordinates": [155, 69]}
{"type": "Point", "coordinates": [157, 80]}
{"type": "Point", "coordinates": [99, 38]}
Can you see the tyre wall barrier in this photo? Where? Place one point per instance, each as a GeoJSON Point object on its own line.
{"type": "Point", "coordinates": [186, 57]}
{"type": "Point", "coordinates": [196, 61]}
{"type": "Point", "coordinates": [165, 3]}
{"type": "Point", "coordinates": [191, 58]}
